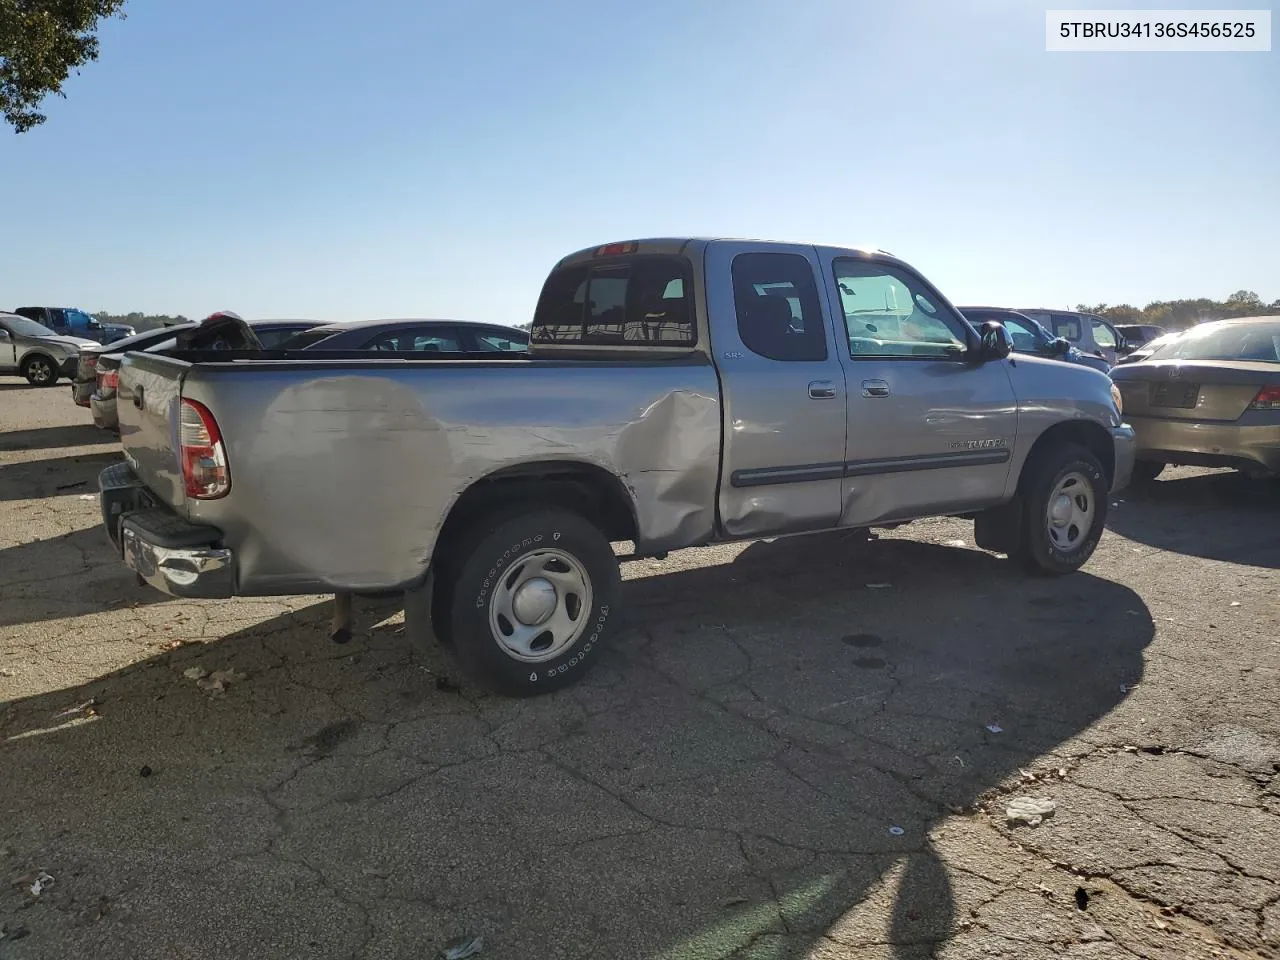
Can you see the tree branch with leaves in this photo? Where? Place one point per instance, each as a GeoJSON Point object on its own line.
{"type": "Point", "coordinates": [41, 42]}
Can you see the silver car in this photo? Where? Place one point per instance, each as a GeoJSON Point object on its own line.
{"type": "Point", "coordinates": [1209, 397]}
{"type": "Point", "coordinates": [1090, 335]}
{"type": "Point", "coordinates": [34, 351]}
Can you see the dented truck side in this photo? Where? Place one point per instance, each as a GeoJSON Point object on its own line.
{"type": "Point", "coordinates": [676, 392]}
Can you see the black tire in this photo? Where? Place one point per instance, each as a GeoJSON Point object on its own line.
{"type": "Point", "coordinates": [1038, 550]}
{"type": "Point", "coordinates": [1146, 471]}
{"type": "Point", "coordinates": [40, 370]}
{"type": "Point", "coordinates": [490, 556]}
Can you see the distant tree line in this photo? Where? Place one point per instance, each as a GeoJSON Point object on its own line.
{"type": "Point", "coordinates": [1180, 314]}
{"type": "Point", "coordinates": [141, 321]}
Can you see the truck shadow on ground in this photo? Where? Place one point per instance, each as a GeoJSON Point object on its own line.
{"type": "Point", "coordinates": [67, 576]}
{"type": "Point", "coordinates": [1218, 516]}
{"type": "Point", "coordinates": [54, 476]}
{"type": "Point", "coordinates": [765, 741]}
{"type": "Point", "coordinates": [50, 438]}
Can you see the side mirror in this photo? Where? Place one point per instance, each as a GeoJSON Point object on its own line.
{"type": "Point", "coordinates": [996, 343]}
{"type": "Point", "coordinates": [4, 334]}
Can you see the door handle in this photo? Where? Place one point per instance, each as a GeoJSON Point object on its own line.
{"type": "Point", "coordinates": [137, 397]}
{"type": "Point", "coordinates": [875, 388]}
{"type": "Point", "coordinates": [821, 390]}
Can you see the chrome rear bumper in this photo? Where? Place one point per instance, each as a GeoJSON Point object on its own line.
{"type": "Point", "coordinates": [167, 552]}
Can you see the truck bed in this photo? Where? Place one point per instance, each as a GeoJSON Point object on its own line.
{"type": "Point", "coordinates": [342, 467]}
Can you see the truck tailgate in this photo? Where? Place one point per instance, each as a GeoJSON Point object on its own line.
{"type": "Point", "coordinates": [146, 405]}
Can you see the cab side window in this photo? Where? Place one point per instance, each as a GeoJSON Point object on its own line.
{"type": "Point", "coordinates": [776, 301]}
{"type": "Point", "coordinates": [890, 313]}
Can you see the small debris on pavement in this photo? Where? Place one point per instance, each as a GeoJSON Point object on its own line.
{"type": "Point", "coordinates": [734, 902]}
{"type": "Point", "coordinates": [1082, 898]}
{"type": "Point", "coordinates": [1029, 810]}
{"type": "Point", "coordinates": [86, 708]}
{"type": "Point", "coordinates": [42, 882]}
{"type": "Point", "coordinates": [445, 685]}
{"type": "Point", "coordinates": [227, 676]}
{"type": "Point", "coordinates": [879, 586]}
{"type": "Point", "coordinates": [897, 831]}
{"type": "Point", "coordinates": [87, 496]}
{"type": "Point", "coordinates": [954, 543]}
{"type": "Point", "coordinates": [71, 486]}
{"type": "Point", "coordinates": [1235, 603]}
{"type": "Point", "coordinates": [994, 728]}
{"type": "Point", "coordinates": [6, 672]}
{"type": "Point", "coordinates": [195, 673]}
{"type": "Point", "coordinates": [145, 771]}
{"type": "Point", "coordinates": [462, 948]}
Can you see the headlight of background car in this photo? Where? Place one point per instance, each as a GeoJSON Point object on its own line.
{"type": "Point", "coordinates": [1117, 399]}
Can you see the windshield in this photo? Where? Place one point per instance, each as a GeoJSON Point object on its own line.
{"type": "Point", "coordinates": [300, 341]}
{"type": "Point", "coordinates": [79, 318]}
{"type": "Point", "coordinates": [1229, 341]}
{"type": "Point", "coordinates": [23, 327]}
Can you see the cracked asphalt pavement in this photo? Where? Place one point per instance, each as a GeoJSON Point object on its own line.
{"type": "Point", "coordinates": [773, 759]}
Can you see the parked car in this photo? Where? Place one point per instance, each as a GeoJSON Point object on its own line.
{"type": "Point", "coordinates": [1139, 334]}
{"type": "Point", "coordinates": [34, 351]}
{"type": "Point", "coordinates": [212, 335]}
{"type": "Point", "coordinates": [1087, 333]}
{"type": "Point", "coordinates": [85, 378]}
{"type": "Point", "coordinates": [676, 393]}
{"type": "Point", "coordinates": [273, 334]}
{"type": "Point", "coordinates": [429, 336]}
{"type": "Point", "coordinates": [1147, 349]}
{"type": "Point", "coordinates": [1210, 398]}
{"type": "Point", "coordinates": [69, 321]}
{"type": "Point", "coordinates": [1031, 338]}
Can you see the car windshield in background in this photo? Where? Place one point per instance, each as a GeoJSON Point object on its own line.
{"type": "Point", "coordinates": [300, 341]}
{"type": "Point", "coordinates": [27, 328]}
{"type": "Point", "coordinates": [1231, 341]}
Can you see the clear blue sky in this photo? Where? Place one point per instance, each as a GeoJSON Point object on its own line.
{"type": "Point", "coordinates": [343, 160]}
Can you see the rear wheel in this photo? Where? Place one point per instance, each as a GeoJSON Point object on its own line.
{"type": "Point", "coordinates": [1064, 498]}
{"type": "Point", "coordinates": [529, 598]}
{"type": "Point", "coordinates": [40, 371]}
{"type": "Point", "coordinates": [1145, 471]}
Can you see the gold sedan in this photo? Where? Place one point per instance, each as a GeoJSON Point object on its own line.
{"type": "Point", "coordinates": [1210, 397]}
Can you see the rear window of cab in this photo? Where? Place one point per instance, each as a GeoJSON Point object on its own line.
{"type": "Point", "coordinates": [642, 301]}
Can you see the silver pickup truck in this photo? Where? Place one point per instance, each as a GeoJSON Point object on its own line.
{"type": "Point", "coordinates": [677, 392]}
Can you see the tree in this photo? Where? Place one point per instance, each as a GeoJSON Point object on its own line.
{"type": "Point", "coordinates": [41, 42]}
{"type": "Point", "coordinates": [1245, 300]}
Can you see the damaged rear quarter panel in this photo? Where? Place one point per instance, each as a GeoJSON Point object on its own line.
{"type": "Point", "coordinates": [343, 472]}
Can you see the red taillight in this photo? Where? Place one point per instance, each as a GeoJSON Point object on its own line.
{"type": "Point", "coordinates": [204, 460]}
{"type": "Point", "coordinates": [109, 379]}
{"type": "Point", "coordinates": [1268, 398]}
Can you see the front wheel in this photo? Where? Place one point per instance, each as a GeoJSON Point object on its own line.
{"type": "Point", "coordinates": [531, 601]}
{"type": "Point", "coordinates": [1065, 510]}
{"type": "Point", "coordinates": [40, 372]}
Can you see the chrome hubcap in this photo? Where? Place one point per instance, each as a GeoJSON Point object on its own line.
{"type": "Point", "coordinates": [1070, 513]}
{"type": "Point", "coordinates": [40, 371]}
{"type": "Point", "coordinates": [540, 607]}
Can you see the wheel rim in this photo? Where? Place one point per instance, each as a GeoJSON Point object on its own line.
{"type": "Point", "coordinates": [540, 608]}
{"type": "Point", "coordinates": [1070, 512]}
{"type": "Point", "coordinates": [40, 371]}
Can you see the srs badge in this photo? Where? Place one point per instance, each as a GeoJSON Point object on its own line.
{"type": "Point", "coordinates": [978, 444]}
